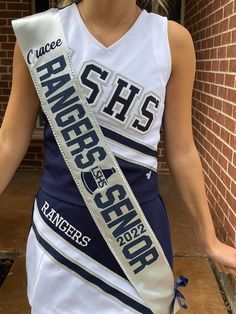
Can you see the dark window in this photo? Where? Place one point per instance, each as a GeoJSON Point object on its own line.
{"type": "Point", "coordinates": [41, 5]}
{"type": "Point", "coordinates": [175, 10]}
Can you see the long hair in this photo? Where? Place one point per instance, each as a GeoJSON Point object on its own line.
{"type": "Point", "coordinates": [159, 6]}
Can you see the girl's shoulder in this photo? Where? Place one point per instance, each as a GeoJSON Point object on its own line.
{"type": "Point", "coordinates": [180, 40]}
{"type": "Point", "coordinates": [178, 32]}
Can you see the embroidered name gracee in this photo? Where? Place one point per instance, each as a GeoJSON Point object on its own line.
{"type": "Point", "coordinates": [34, 54]}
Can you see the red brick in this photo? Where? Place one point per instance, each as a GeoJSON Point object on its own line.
{"type": "Point", "coordinates": [215, 29]}
{"type": "Point", "coordinates": [232, 170]}
{"type": "Point", "coordinates": [215, 65]}
{"type": "Point", "coordinates": [210, 137]}
{"type": "Point", "coordinates": [233, 36]}
{"type": "Point", "coordinates": [229, 80]}
{"type": "Point", "coordinates": [211, 77]}
{"type": "Point", "coordinates": [232, 217]}
{"type": "Point", "coordinates": [228, 9]}
{"type": "Point", "coordinates": [207, 65]}
{"type": "Point", "coordinates": [222, 52]}
{"type": "Point", "coordinates": [210, 43]}
{"type": "Point", "coordinates": [208, 31]}
{"type": "Point", "coordinates": [3, 84]}
{"type": "Point", "coordinates": [231, 96]}
{"type": "Point", "coordinates": [233, 191]}
{"type": "Point", "coordinates": [35, 149]}
{"type": "Point", "coordinates": [206, 54]}
{"type": "Point", "coordinates": [5, 91]}
{"type": "Point", "coordinates": [3, 22]}
{"type": "Point", "coordinates": [216, 128]}
{"type": "Point", "coordinates": [12, 14]}
{"type": "Point", "coordinates": [224, 65]}
{"type": "Point", "coordinates": [6, 30]}
{"type": "Point", "coordinates": [222, 92]}
{"type": "Point", "coordinates": [24, 1]}
{"type": "Point", "coordinates": [213, 53]}
{"type": "Point", "coordinates": [226, 38]}
{"type": "Point", "coordinates": [232, 141]}
{"type": "Point", "coordinates": [225, 135]}
{"type": "Point", "coordinates": [6, 77]}
{"type": "Point", "coordinates": [209, 99]}
{"type": "Point", "coordinates": [223, 162]}
{"type": "Point", "coordinates": [234, 160]}
{"type": "Point", "coordinates": [216, 168]}
{"type": "Point", "coordinates": [10, 53]}
{"type": "Point", "coordinates": [217, 4]}
{"type": "Point", "coordinates": [231, 51]}
{"type": "Point", "coordinates": [230, 124]}
{"type": "Point", "coordinates": [2, 6]}
{"type": "Point", "coordinates": [206, 89]}
{"type": "Point", "coordinates": [4, 99]}
{"type": "Point", "coordinates": [18, 7]}
{"type": "Point", "coordinates": [224, 25]}
{"type": "Point", "coordinates": [232, 22]}
{"type": "Point", "coordinates": [3, 38]}
{"type": "Point", "coordinates": [219, 15]}
{"type": "Point", "coordinates": [7, 46]}
{"type": "Point", "coordinates": [224, 2]}
{"type": "Point", "coordinates": [214, 89]}
{"type": "Point", "coordinates": [219, 211]}
{"type": "Point", "coordinates": [229, 229]}
{"type": "Point", "coordinates": [227, 152]}
{"type": "Point", "coordinates": [232, 66]}
{"type": "Point", "coordinates": [218, 144]}
{"type": "Point", "coordinates": [218, 103]}
{"type": "Point", "coordinates": [29, 156]}
{"type": "Point", "coordinates": [223, 205]}
{"type": "Point", "coordinates": [227, 108]}
{"type": "Point", "coordinates": [6, 61]}
{"type": "Point", "coordinates": [234, 112]}
{"type": "Point", "coordinates": [219, 78]}
{"type": "Point", "coordinates": [212, 113]}
{"type": "Point", "coordinates": [3, 54]}
{"type": "Point", "coordinates": [217, 40]}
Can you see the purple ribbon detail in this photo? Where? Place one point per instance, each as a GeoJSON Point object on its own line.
{"type": "Point", "coordinates": [181, 281]}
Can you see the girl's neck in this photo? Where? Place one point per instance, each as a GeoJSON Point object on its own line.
{"type": "Point", "coordinates": [109, 12]}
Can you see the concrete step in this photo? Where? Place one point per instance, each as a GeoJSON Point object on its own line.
{"type": "Point", "coordinates": [13, 299]}
{"type": "Point", "coordinates": [202, 292]}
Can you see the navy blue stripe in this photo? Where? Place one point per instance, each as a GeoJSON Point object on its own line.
{"type": "Point", "coordinates": [128, 142]}
{"type": "Point", "coordinates": [91, 278]}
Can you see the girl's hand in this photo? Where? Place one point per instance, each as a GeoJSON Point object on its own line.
{"type": "Point", "coordinates": [224, 256]}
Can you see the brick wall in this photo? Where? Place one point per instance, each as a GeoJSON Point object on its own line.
{"type": "Point", "coordinates": [10, 10]}
{"type": "Point", "coordinates": [6, 47]}
{"type": "Point", "coordinates": [212, 25]}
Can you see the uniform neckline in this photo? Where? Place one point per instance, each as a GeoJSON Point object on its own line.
{"type": "Point", "coordinates": [119, 40]}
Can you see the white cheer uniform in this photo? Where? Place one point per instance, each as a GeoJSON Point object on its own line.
{"type": "Point", "coordinates": [70, 269]}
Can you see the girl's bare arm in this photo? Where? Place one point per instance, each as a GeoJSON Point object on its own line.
{"type": "Point", "coordinates": [19, 120]}
{"type": "Point", "coordinates": [182, 156]}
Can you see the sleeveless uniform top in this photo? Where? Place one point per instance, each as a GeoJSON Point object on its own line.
{"type": "Point", "coordinates": [125, 85]}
